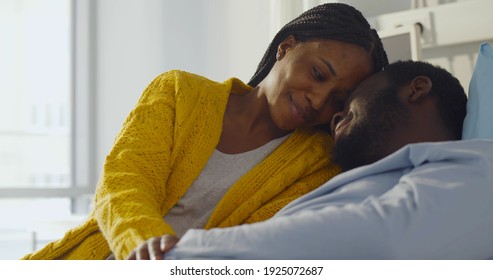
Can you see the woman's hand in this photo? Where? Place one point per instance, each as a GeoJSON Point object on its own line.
{"type": "Point", "coordinates": [154, 248]}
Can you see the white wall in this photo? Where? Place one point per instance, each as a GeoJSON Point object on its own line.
{"type": "Point", "coordinates": [137, 40]}
{"type": "Point", "coordinates": [128, 51]}
{"type": "Point", "coordinates": [236, 36]}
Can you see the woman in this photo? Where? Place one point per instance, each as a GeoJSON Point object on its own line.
{"type": "Point", "coordinates": [197, 153]}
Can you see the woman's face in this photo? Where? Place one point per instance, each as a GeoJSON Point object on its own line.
{"type": "Point", "coordinates": [311, 81]}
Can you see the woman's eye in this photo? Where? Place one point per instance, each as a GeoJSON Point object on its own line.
{"type": "Point", "coordinates": [318, 75]}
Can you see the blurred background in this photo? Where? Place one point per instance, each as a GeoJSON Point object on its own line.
{"type": "Point", "coordinates": [71, 71]}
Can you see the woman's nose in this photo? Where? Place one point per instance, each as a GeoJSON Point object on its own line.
{"type": "Point", "coordinates": [335, 120]}
{"type": "Point", "coordinates": [318, 100]}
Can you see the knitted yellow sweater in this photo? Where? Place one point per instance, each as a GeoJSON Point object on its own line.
{"type": "Point", "coordinates": [162, 148]}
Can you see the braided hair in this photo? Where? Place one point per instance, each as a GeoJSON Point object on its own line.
{"type": "Point", "coordinates": [335, 21]}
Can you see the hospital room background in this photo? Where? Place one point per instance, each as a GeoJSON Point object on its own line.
{"type": "Point", "coordinates": [71, 71]}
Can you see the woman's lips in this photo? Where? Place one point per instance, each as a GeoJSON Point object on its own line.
{"type": "Point", "coordinates": [297, 113]}
{"type": "Point", "coordinates": [300, 114]}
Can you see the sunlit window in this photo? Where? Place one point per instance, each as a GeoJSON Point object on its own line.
{"type": "Point", "coordinates": [37, 134]}
{"type": "Point", "coordinates": [35, 93]}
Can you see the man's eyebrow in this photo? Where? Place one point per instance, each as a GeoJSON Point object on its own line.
{"type": "Point", "coordinates": [331, 68]}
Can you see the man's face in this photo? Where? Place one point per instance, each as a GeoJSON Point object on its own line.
{"type": "Point", "coordinates": [365, 131]}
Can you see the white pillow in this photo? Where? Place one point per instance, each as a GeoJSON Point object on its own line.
{"type": "Point", "coordinates": [478, 123]}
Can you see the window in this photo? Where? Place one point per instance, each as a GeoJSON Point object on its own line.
{"type": "Point", "coordinates": [35, 93]}
{"type": "Point", "coordinates": [44, 117]}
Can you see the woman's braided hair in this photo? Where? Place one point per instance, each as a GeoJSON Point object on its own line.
{"type": "Point", "coordinates": [335, 21]}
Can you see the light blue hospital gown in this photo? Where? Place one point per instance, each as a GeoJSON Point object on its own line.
{"type": "Point", "coordinates": [426, 201]}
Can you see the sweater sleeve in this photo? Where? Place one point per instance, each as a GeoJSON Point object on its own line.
{"type": "Point", "coordinates": [315, 177]}
{"type": "Point", "coordinates": [131, 189]}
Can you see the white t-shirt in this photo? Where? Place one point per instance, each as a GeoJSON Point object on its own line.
{"type": "Point", "coordinates": [219, 174]}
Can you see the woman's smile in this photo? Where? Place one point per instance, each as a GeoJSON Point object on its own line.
{"type": "Point", "coordinates": [302, 113]}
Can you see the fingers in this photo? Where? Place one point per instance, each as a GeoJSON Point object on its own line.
{"type": "Point", "coordinates": [168, 242]}
{"type": "Point", "coordinates": [141, 252]}
{"type": "Point", "coordinates": [154, 248]}
{"type": "Point", "coordinates": [132, 256]}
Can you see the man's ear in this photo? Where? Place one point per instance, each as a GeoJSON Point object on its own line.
{"type": "Point", "coordinates": [420, 87]}
{"type": "Point", "coordinates": [285, 46]}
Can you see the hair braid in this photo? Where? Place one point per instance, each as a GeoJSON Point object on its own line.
{"type": "Point", "coordinates": [334, 21]}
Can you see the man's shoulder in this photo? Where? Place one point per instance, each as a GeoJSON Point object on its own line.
{"type": "Point", "coordinates": [463, 150]}
{"type": "Point", "coordinates": [464, 157]}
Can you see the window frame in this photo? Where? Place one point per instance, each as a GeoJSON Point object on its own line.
{"type": "Point", "coordinates": [82, 181]}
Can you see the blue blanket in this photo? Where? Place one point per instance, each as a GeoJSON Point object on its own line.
{"type": "Point", "coordinates": [426, 201]}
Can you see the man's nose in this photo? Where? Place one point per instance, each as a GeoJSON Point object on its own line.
{"type": "Point", "coordinates": [335, 120]}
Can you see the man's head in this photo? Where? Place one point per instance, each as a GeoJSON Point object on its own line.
{"type": "Point", "coordinates": [408, 102]}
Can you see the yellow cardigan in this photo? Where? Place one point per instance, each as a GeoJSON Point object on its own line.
{"type": "Point", "coordinates": [161, 149]}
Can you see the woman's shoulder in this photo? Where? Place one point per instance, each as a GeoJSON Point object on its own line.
{"type": "Point", "coordinates": [314, 139]}
{"type": "Point", "coordinates": [177, 82]}
{"type": "Point", "coordinates": [180, 76]}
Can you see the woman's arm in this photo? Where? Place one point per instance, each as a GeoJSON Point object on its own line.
{"type": "Point", "coordinates": [131, 189]}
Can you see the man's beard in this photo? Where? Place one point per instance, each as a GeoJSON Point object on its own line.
{"type": "Point", "coordinates": [356, 150]}
{"type": "Point", "coordinates": [368, 141]}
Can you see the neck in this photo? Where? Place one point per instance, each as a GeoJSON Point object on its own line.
{"type": "Point", "coordinates": [251, 112]}
{"type": "Point", "coordinates": [427, 130]}
{"type": "Point", "coordinates": [247, 124]}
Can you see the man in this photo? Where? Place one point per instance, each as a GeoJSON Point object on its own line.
{"type": "Point", "coordinates": [409, 191]}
